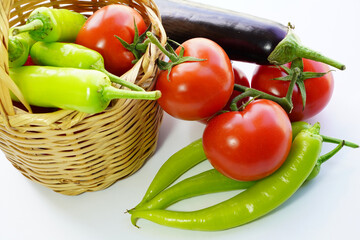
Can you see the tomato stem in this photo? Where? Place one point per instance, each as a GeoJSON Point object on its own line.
{"type": "Point", "coordinates": [291, 48]}
{"type": "Point", "coordinates": [155, 41]}
{"type": "Point", "coordinates": [175, 59]}
{"type": "Point", "coordinates": [251, 92]}
{"type": "Point", "coordinates": [284, 102]}
{"type": "Point", "coordinates": [139, 44]}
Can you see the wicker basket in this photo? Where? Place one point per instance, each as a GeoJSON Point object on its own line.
{"type": "Point", "coordinates": [72, 152]}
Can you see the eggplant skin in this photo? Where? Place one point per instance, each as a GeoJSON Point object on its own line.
{"type": "Point", "coordinates": [243, 37]}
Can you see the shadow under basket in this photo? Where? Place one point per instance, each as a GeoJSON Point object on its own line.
{"type": "Point", "coordinates": [72, 152]}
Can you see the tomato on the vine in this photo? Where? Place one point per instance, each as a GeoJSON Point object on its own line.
{"type": "Point", "coordinates": [241, 79]}
{"type": "Point", "coordinates": [196, 90]}
{"type": "Point", "coordinates": [318, 90]}
{"type": "Point", "coordinates": [100, 29]}
{"type": "Point", "coordinates": [249, 144]}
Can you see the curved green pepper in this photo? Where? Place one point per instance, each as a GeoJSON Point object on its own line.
{"type": "Point", "coordinates": [72, 55]}
{"type": "Point", "coordinates": [18, 48]}
{"type": "Point", "coordinates": [88, 91]}
{"type": "Point", "coordinates": [51, 25]}
{"type": "Point", "coordinates": [210, 181]}
{"type": "Point", "coordinates": [174, 167]}
{"type": "Point", "coordinates": [193, 154]}
{"type": "Point", "coordinates": [256, 201]}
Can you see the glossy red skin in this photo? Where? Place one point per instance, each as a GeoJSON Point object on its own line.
{"type": "Point", "coordinates": [250, 144]}
{"type": "Point", "coordinates": [29, 62]}
{"type": "Point", "coordinates": [241, 79]}
{"type": "Point", "coordinates": [318, 90]}
{"type": "Point", "coordinates": [98, 33]}
{"type": "Point", "coordinates": [197, 90]}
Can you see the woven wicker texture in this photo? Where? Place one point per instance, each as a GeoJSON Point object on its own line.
{"type": "Point", "coordinates": [72, 152]}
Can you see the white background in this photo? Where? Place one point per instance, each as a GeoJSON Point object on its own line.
{"type": "Point", "coordinates": [327, 208]}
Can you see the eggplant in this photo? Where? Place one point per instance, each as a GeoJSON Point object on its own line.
{"type": "Point", "coordinates": [243, 37]}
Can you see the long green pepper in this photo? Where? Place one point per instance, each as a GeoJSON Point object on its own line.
{"type": "Point", "coordinates": [88, 91]}
{"type": "Point", "coordinates": [52, 25]}
{"type": "Point", "coordinates": [256, 201]}
{"type": "Point", "coordinates": [193, 154]}
{"type": "Point", "coordinates": [72, 55]}
{"type": "Point", "coordinates": [174, 167]}
{"type": "Point", "coordinates": [212, 181]}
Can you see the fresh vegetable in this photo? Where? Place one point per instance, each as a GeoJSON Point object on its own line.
{"type": "Point", "coordinates": [240, 79]}
{"type": "Point", "coordinates": [52, 24]}
{"type": "Point", "coordinates": [159, 196]}
{"type": "Point", "coordinates": [101, 30]}
{"type": "Point", "coordinates": [72, 55]}
{"type": "Point", "coordinates": [243, 37]}
{"type": "Point", "coordinates": [18, 48]}
{"type": "Point", "coordinates": [29, 62]}
{"type": "Point", "coordinates": [258, 200]}
{"type": "Point", "coordinates": [88, 91]}
{"type": "Point", "coordinates": [210, 181]}
{"type": "Point", "coordinates": [174, 167]}
{"type": "Point", "coordinates": [199, 87]}
{"type": "Point", "coordinates": [250, 144]}
{"type": "Point", "coordinates": [316, 89]}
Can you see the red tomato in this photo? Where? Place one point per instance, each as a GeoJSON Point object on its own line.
{"type": "Point", "coordinates": [318, 90]}
{"type": "Point", "coordinates": [241, 79]}
{"type": "Point", "coordinates": [29, 62]}
{"type": "Point", "coordinates": [98, 33]}
{"type": "Point", "coordinates": [250, 144]}
{"type": "Point", "coordinates": [197, 90]}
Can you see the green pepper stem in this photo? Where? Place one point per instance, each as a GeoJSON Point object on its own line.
{"type": "Point", "coordinates": [327, 156]}
{"type": "Point", "coordinates": [336, 140]}
{"type": "Point", "coordinates": [116, 79]}
{"type": "Point", "coordinates": [290, 48]}
{"type": "Point", "coordinates": [110, 93]}
{"type": "Point", "coordinates": [33, 25]}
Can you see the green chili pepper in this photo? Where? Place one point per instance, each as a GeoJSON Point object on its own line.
{"type": "Point", "coordinates": [18, 48]}
{"type": "Point", "coordinates": [174, 167]}
{"type": "Point", "coordinates": [72, 55]}
{"type": "Point", "coordinates": [192, 155]}
{"type": "Point", "coordinates": [88, 91]}
{"type": "Point", "coordinates": [256, 201]}
{"type": "Point", "coordinates": [210, 181]}
{"type": "Point", "coordinates": [51, 25]}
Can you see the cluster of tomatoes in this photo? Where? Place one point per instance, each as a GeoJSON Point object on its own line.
{"type": "Point", "coordinates": [247, 144]}
{"type": "Point", "coordinates": [253, 141]}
